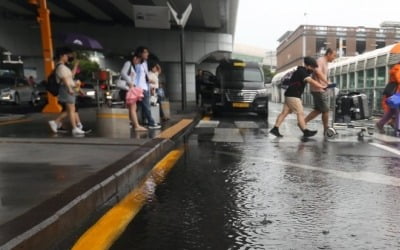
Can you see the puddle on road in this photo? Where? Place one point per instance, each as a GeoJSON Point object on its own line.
{"type": "Point", "coordinates": [242, 199]}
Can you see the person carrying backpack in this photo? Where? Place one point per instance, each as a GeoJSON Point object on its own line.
{"type": "Point", "coordinates": [293, 104]}
{"type": "Point", "coordinates": [391, 88]}
{"type": "Point", "coordinates": [66, 94]}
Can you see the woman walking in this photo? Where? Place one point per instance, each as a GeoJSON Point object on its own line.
{"type": "Point", "coordinates": [67, 95]}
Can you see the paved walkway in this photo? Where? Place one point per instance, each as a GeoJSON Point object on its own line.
{"type": "Point", "coordinates": [47, 180]}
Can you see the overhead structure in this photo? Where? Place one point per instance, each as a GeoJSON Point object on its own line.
{"type": "Point", "coordinates": [122, 25]}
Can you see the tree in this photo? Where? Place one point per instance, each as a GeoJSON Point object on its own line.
{"type": "Point", "coordinates": [87, 67]}
{"type": "Point", "coordinates": [268, 75]}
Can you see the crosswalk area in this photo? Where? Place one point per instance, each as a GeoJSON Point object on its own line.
{"type": "Point", "coordinates": [243, 129]}
{"type": "Point", "coordinates": [230, 131]}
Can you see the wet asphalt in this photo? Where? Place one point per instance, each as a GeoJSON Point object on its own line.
{"type": "Point", "coordinates": [237, 187]}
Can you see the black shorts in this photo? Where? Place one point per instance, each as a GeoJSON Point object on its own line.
{"type": "Point", "coordinates": [64, 107]}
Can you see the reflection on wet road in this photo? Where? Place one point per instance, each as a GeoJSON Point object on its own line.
{"type": "Point", "coordinates": [240, 188]}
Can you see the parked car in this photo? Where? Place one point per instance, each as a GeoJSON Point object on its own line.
{"type": "Point", "coordinates": [239, 86]}
{"type": "Point", "coordinates": [16, 90]}
{"type": "Point", "coordinates": [89, 94]}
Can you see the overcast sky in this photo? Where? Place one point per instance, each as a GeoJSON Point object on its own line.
{"type": "Point", "coordinates": [261, 22]}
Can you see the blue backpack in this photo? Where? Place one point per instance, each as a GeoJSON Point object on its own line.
{"type": "Point", "coordinates": [394, 101]}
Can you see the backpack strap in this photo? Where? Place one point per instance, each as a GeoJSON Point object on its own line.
{"type": "Point", "coordinates": [55, 71]}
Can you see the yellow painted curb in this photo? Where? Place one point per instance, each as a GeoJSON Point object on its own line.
{"type": "Point", "coordinates": [109, 228]}
{"type": "Point", "coordinates": [174, 130]}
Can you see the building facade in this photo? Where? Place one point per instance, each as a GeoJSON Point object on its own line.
{"type": "Point", "coordinates": [312, 40]}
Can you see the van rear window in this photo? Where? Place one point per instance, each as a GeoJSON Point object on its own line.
{"type": "Point", "coordinates": [243, 74]}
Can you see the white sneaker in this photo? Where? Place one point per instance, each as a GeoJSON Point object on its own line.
{"type": "Point", "coordinates": [53, 126]}
{"type": "Point", "coordinates": [155, 126]}
{"type": "Point", "coordinates": [78, 131]}
{"type": "Point", "coordinates": [80, 126]}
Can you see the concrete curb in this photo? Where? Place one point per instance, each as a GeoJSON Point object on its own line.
{"type": "Point", "coordinates": [11, 117]}
{"type": "Point", "coordinates": [105, 187]}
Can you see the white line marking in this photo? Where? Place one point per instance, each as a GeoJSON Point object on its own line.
{"type": "Point", "coordinates": [360, 176]}
{"type": "Point", "coordinates": [389, 149]}
{"type": "Point", "coordinates": [386, 138]}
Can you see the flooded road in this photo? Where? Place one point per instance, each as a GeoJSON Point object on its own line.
{"type": "Point", "coordinates": [237, 187]}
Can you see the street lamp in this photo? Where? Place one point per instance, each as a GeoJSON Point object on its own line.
{"type": "Point", "coordinates": [182, 23]}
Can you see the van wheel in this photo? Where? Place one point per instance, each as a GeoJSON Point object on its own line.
{"type": "Point", "coordinates": [216, 111]}
{"type": "Point", "coordinates": [34, 102]}
{"type": "Point", "coordinates": [264, 113]}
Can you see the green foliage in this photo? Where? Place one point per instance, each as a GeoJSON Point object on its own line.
{"type": "Point", "coordinates": [86, 66]}
{"type": "Point", "coordinates": [87, 69]}
{"type": "Point", "coordinates": [268, 75]}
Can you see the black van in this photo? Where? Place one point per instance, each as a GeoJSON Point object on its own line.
{"type": "Point", "coordinates": [239, 86]}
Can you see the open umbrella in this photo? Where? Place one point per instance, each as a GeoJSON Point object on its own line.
{"type": "Point", "coordinates": [80, 41]}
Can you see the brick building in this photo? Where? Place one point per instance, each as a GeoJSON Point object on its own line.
{"type": "Point", "coordinates": [312, 40]}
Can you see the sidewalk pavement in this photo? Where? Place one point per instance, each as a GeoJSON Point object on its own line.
{"type": "Point", "coordinates": [52, 184]}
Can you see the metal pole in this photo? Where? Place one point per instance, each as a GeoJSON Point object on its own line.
{"type": "Point", "coordinates": [47, 44]}
{"type": "Point", "coordinates": [183, 68]}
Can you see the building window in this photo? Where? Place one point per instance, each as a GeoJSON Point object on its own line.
{"type": "Point", "coordinates": [380, 44]}
{"type": "Point", "coordinates": [352, 80]}
{"type": "Point", "coordinates": [360, 46]}
{"type": "Point", "coordinates": [381, 76]}
{"type": "Point", "coordinates": [360, 79]}
{"type": "Point", "coordinates": [343, 46]}
{"type": "Point", "coordinates": [320, 45]}
{"type": "Point", "coordinates": [344, 82]}
{"type": "Point", "coordinates": [370, 78]}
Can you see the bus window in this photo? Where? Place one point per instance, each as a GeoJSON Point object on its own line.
{"type": "Point", "coordinates": [344, 81]}
{"type": "Point", "coordinates": [378, 99]}
{"type": "Point", "coordinates": [381, 76]}
{"type": "Point", "coordinates": [337, 80]}
{"type": "Point", "coordinates": [352, 80]}
{"type": "Point", "coordinates": [360, 79]}
{"type": "Point", "coordinates": [370, 78]}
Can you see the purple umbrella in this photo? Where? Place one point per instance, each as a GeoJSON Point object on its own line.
{"type": "Point", "coordinates": [80, 41]}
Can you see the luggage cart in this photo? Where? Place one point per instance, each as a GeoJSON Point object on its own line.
{"type": "Point", "coordinates": [361, 125]}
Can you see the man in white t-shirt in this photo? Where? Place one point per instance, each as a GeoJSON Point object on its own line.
{"type": "Point", "coordinates": [320, 95]}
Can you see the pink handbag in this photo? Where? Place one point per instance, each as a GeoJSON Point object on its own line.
{"type": "Point", "coordinates": [134, 94]}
